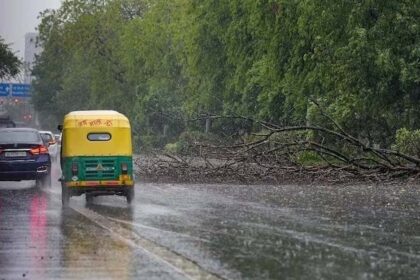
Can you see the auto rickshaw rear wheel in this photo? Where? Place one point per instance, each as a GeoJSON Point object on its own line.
{"type": "Point", "coordinates": [65, 195]}
{"type": "Point", "coordinates": [130, 195]}
{"type": "Point", "coordinates": [89, 198]}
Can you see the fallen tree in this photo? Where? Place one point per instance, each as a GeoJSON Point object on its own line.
{"type": "Point", "coordinates": [275, 153]}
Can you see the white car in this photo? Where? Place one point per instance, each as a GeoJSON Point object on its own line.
{"type": "Point", "coordinates": [49, 140]}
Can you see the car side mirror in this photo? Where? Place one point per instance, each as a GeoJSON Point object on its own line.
{"type": "Point", "coordinates": [60, 127]}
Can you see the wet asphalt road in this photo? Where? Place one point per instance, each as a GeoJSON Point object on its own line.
{"type": "Point", "coordinates": [175, 231]}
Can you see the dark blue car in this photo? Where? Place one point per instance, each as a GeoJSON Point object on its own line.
{"type": "Point", "coordinates": [24, 156]}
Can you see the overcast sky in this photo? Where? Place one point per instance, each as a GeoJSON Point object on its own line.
{"type": "Point", "coordinates": [18, 17]}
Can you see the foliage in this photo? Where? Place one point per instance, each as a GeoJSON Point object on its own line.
{"type": "Point", "coordinates": [9, 63]}
{"type": "Point", "coordinates": [189, 141]}
{"type": "Point", "coordinates": [164, 63]}
{"type": "Point", "coordinates": [408, 142]}
{"type": "Point", "coordinates": [308, 158]}
{"type": "Point", "coordinates": [173, 148]}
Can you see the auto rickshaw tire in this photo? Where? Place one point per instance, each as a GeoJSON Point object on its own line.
{"type": "Point", "coordinates": [65, 196]}
{"type": "Point", "coordinates": [130, 195]}
{"type": "Point", "coordinates": [89, 198]}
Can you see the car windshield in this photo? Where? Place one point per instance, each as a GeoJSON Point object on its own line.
{"type": "Point", "coordinates": [7, 137]}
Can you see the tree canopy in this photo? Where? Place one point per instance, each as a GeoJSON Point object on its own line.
{"type": "Point", "coordinates": [9, 63]}
{"type": "Point", "coordinates": [164, 63]}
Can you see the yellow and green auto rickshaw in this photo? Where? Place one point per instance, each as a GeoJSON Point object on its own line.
{"type": "Point", "coordinates": [96, 155]}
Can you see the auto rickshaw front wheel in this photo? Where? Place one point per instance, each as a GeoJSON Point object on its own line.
{"type": "Point", "coordinates": [130, 195]}
{"type": "Point", "coordinates": [65, 195]}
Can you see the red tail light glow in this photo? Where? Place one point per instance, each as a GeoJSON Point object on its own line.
{"type": "Point", "coordinates": [39, 150]}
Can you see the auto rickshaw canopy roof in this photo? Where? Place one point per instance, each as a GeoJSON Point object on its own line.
{"type": "Point", "coordinates": [79, 126]}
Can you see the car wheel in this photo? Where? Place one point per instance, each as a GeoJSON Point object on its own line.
{"type": "Point", "coordinates": [46, 180]}
{"type": "Point", "coordinates": [38, 183]}
{"type": "Point", "coordinates": [130, 195]}
{"type": "Point", "coordinates": [65, 195]}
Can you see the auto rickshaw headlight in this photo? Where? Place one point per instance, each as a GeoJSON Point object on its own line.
{"type": "Point", "coordinates": [124, 168]}
{"type": "Point", "coordinates": [74, 168]}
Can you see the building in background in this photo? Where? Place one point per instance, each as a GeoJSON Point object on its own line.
{"type": "Point", "coordinates": [31, 50]}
